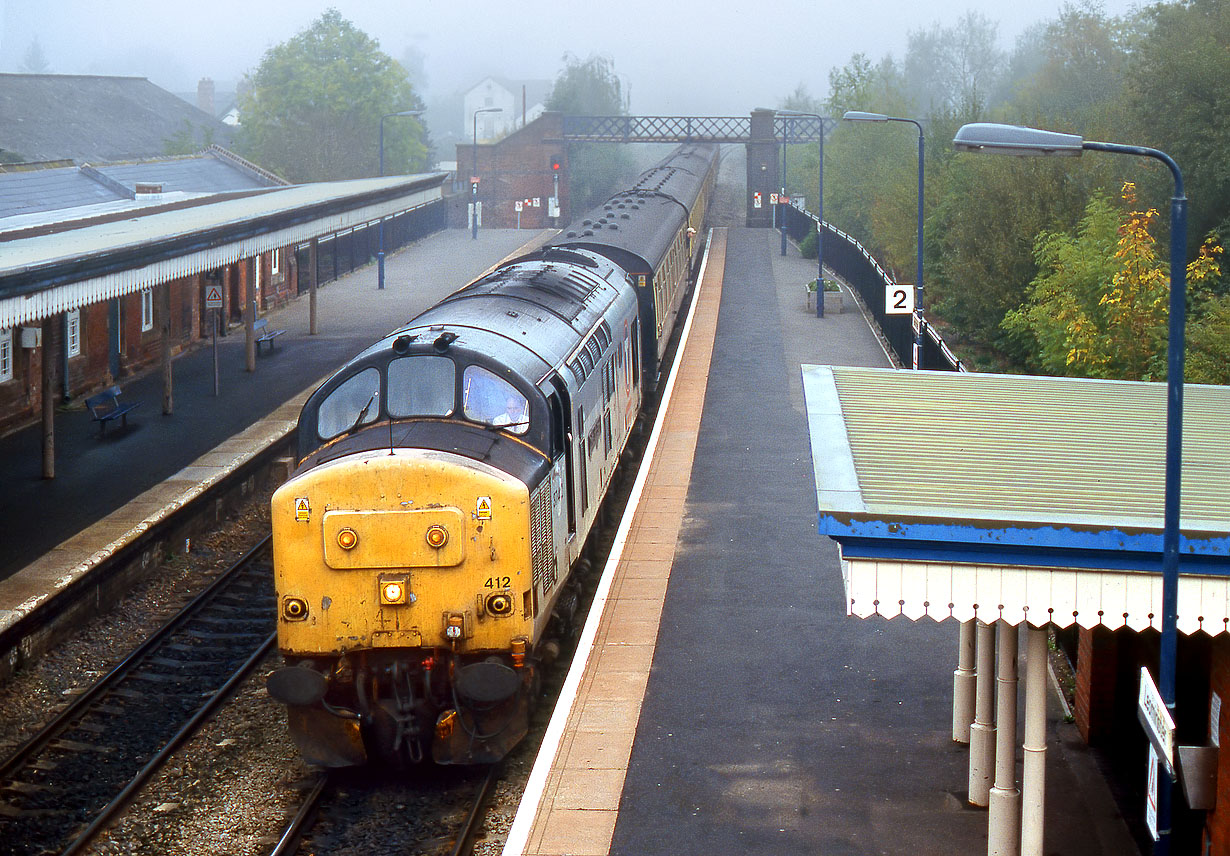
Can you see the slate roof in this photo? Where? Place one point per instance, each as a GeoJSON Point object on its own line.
{"type": "Point", "coordinates": [94, 118]}
{"type": "Point", "coordinates": [67, 192]}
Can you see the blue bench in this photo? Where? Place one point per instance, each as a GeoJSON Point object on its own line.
{"type": "Point", "coordinates": [106, 406]}
{"type": "Point", "coordinates": [263, 334]}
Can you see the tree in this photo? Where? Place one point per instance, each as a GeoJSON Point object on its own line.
{"type": "Point", "coordinates": [313, 110]}
{"type": "Point", "coordinates": [1179, 102]}
{"type": "Point", "coordinates": [1099, 306]}
{"type": "Point", "coordinates": [954, 69]}
{"type": "Point", "coordinates": [591, 88]}
{"type": "Point", "coordinates": [35, 60]}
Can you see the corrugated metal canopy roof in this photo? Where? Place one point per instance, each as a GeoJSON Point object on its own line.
{"type": "Point", "coordinates": [929, 475]}
{"type": "Point", "coordinates": [61, 267]}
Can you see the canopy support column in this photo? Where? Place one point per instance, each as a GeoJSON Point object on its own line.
{"type": "Point", "coordinates": [1033, 780]}
{"type": "Point", "coordinates": [982, 732]}
{"type": "Point", "coordinates": [963, 684]}
{"type": "Point", "coordinates": [1004, 825]}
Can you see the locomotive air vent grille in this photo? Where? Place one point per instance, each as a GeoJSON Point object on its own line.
{"type": "Point", "coordinates": [542, 540]}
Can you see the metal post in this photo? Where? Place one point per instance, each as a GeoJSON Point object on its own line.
{"type": "Point", "coordinates": [963, 683]}
{"type": "Point", "coordinates": [1004, 821]}
{"type": "Point", "coordinates": [48, 364]}
{"type": "Point", "coordinates": [1033, 779]}
{"type": "Point", "coordinates": [474, 173]}
{"type": "Point", "coordinates": [312, 280]}
{"type": "Point", "coordinates": [249, 313]}
{"type": "Point", "coordinates": [380, 225]}
{"type": "Point", "coordinates": [982, 732]}
{"type": "Point", "coordinates": [918, 287]}
{"type": "Point", "coordinates": [213, 318]}
{"type": "Point", "coordinates": [164, 309]}
{"type": "Point", "coordinates": [820, 229]}
{"type": "Point", "coordinates": [781, 207]}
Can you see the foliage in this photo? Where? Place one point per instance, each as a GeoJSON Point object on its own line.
{"type": "Point", "coordinates": [34, 61]}
{"type": "Point", "coordinates": [955, 68]}
{"type": "Point", "coordinates": [1208, 344]}
{"type": "Point", "coordinates": [1179, 103]}
{"type": "Point", "coordinates": [1099, 306]}
{"type": "Point", "coordinates": [313, 110]}
{"type": "Point", "coordinates": [188, 140]}
{"type": "Point", "coordinates": [591, 88]}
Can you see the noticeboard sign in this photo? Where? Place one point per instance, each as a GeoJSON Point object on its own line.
{"type": "Point", "coordinates": [1156, 719]}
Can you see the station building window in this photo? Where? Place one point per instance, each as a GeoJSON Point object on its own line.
{"type": "Point", "coordinates": [147, 310]}
{"type": "Point", "coordinates": [72, 332]}
{"type": "Point", "coordinates": [6, 354]}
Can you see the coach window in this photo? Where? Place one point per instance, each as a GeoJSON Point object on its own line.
{"type": "Point", "coordinates": [491, 400]}
{"type": "Point", "coordinates": [355, 402]}
{"type": "Point", "coordinates": [421, 386]}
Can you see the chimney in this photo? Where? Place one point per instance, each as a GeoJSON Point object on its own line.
{"type": "Point", "coordinates": [205, 95]}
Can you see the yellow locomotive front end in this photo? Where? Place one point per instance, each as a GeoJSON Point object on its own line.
{"type": "Point", "coordinates": [406, 608]}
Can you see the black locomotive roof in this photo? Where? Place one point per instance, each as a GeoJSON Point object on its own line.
{"type": "Point", "coordinates": [640, 223]}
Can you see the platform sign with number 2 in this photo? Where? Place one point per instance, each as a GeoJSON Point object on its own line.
{"type": "Point", "coordinates": [898, 299]}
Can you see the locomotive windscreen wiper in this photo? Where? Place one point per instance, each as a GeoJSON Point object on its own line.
{"type": "Point", "coordinates": [362, 414]}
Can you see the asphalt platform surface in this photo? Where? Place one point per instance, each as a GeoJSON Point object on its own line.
{"type": "Point", "coordinates": [772, 722]}
{"type": "Point", "coordinates": [96, 476]}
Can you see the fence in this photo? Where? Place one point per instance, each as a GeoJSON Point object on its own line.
{"type": "Point", "coordinates": [851, 261]}
{"type": "Point", "coordinates": [342, 252]}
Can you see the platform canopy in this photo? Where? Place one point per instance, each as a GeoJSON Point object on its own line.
{"type": "Point", "coordinates": [1024, 498]}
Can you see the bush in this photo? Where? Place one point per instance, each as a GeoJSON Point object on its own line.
{"type": "Point", "coordinates": [807, 246]}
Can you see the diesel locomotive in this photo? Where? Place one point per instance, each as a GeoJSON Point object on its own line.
{"type": "Point", "coordinates": [448, 476]}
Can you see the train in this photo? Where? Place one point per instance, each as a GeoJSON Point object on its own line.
{"type": "Point", "coordinates": [427, 546]}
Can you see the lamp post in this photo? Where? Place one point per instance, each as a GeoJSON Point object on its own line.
{"type": "Point", "coordinates": [474, 173]}
{"type": "Point", "coordinates": [1032, 142]}
{"type": "Point", "coordinates": [819, 208]}
{"type": "Point", "coordinates": [860, 116]}
{"type": "Point", "coordinates": [380, 227]}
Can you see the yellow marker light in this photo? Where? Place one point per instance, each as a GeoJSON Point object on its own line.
{"type": "Point", "coordinates": [393, 591]}
{"type": "Point", "coordinates": [453, 629]}
{"type": "Point", "coordinates": [437, 536]}
{"type": "Point", "coordinates": [347, 538]}
{"type": "Point", "coordinates": [294, 609]}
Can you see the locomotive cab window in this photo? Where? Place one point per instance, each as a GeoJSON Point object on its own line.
{"type": "Point", "coordinates": [355, 402]}
{"type": "Point", "coordinates": [421, 386]}
{"type": "Point", "coordinates": [491, 400]}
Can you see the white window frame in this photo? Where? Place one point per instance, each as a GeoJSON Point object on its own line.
{"type": "Point", "coordinates": [72, 328]}
{"type": "Point", "coordinates": [275, 263]}
{"type": "Point", "coordinates": [147, 310]}
{"type": "Point", "coordinates": [6, 354]}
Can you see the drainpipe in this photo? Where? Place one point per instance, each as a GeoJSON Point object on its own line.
{"type": "Point", "coordinates": [1004, 824]}
{"type": "Point", "coordinates": [1033, 780]}
{"type": "Point", "coordinates": [964, 682]}
{"type": "Point", "coordinates": [982, 732]}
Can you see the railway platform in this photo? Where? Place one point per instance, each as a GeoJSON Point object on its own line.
{"type": "Point", "coordinates": [721, 701]}
{"type": "Point", "coordinates": [108, 491]}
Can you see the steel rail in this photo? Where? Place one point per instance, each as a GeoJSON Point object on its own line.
{"type": "Point", "coordinates": [49, 731]}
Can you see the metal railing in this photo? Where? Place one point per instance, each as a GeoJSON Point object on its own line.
{"type": "Point", "coordinates": [346, 251]}
{"type": "Point", "coordinates": [850, 260]}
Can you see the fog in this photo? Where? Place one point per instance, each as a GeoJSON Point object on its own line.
{"type": "Point", "coordinates": [687, 57]}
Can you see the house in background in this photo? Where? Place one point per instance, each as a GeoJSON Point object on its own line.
{"type": "Point", "coordinates": [94, 118]}
{"type": "Point", "coordinates": [519, 101]}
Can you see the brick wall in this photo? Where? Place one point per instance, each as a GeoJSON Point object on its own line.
{"type": "Point", "coordinates": [1097, 666]}
{"type": "Point", "coordinates": [517, 167]}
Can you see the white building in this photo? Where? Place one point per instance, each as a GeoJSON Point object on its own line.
{"type": "Point", "coordinates": [519, 102]}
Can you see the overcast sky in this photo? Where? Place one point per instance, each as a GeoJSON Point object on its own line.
{"type": "Point", "coordinates": [691, 57]}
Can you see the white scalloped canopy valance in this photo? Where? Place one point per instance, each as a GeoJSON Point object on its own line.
{"type": "Point", "coordinates": [1062, 596]}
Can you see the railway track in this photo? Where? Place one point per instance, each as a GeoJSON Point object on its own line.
{"type": "Point", "coordinates": [355, 812]}
{"type": "Point", "coordinates": [66, 783]}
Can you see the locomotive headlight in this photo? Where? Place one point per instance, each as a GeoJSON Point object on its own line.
{"type": "Point", "coordinates": [394, 591]}
{"type": "Point", "coordinates": [500, 603]}
{"type": "Point", "coordinates": [437, 536]}
{"type": "Point", "coordinates": [347, 538]}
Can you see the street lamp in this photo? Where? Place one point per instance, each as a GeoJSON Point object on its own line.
{"type": "Point", "coordinates": [380, 227]}
{"type": "Point", "coordinates": [860, 116]}
{"type": "Point", "coordinates": [474, 174]}
{"type": "Point", "coordinates": [1032, 142]}
{"type": "Point", "coordinates": [819, 208]}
